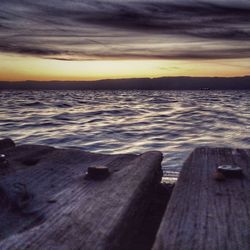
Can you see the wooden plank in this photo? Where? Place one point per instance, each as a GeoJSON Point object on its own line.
{"type": "Point", "coordinates": [67, 211]}
{"type": "Point", "coordinates": [204, 213]}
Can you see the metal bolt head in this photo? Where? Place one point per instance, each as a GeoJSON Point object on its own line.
{"type": "Point", "coordinates": [97, 173]}
{"type": "Point", "coordinates": [230, 170]}
{"type": "Point", "coordinates": [2, 158]}
{"type": "Point", "coordinates": [3, 161]}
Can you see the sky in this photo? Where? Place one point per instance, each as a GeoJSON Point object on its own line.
{"type": "Point", "coordinates": [90, 39]}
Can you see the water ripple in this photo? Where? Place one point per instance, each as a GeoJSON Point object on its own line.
{"type": "Point", "coordinates": [174, 122]}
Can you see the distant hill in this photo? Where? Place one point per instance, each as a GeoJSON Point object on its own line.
{"type": "Point", "coordinates": [164, 83]}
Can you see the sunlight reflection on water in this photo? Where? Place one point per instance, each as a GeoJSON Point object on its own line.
{"type": "Point", "coordinates": [174, 122]}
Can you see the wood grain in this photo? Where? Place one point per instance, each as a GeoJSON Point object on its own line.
{"type": "Point", "coordinates": [204, 213]}
{"type": "Point", "coordinates": [68, 211]}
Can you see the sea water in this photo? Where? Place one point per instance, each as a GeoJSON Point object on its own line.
{"type": "Point", "coordinates": [114, 122]}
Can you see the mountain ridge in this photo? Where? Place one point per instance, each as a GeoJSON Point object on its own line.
{"type": "Point", "coordinates": [161, 83]}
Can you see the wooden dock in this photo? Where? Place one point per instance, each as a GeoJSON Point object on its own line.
{"type": "Point", "coordinates": [47, 203]}
{"type": "Point", "coordinates": [204, 213]}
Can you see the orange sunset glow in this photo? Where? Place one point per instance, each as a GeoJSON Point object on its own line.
{"type": "Point", "coordinates": [19, 68]}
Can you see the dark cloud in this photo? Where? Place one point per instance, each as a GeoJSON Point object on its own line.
{"type": "Point", "coordinates": [78, 30]}
{"type": "Point", "coordinates": [36, 51]}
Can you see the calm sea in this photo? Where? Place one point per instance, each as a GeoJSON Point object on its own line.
{"type": "Point", "coordinates": [112, 122]}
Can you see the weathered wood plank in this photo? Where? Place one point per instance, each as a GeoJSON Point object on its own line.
{"type": "Point", "coordinates": [68, 211]}
{"type": "Point", "coordinates": [204, 213]}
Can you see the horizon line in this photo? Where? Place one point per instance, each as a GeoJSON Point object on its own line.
{"type": "Point", "coordinates": [113, 79]}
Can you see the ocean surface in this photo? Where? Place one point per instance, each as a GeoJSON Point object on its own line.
{"type": "Point", "coordinates": [112, 122]}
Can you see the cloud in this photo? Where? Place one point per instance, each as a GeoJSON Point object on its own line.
{"type": "Point", "coordinates": [115, 29]}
